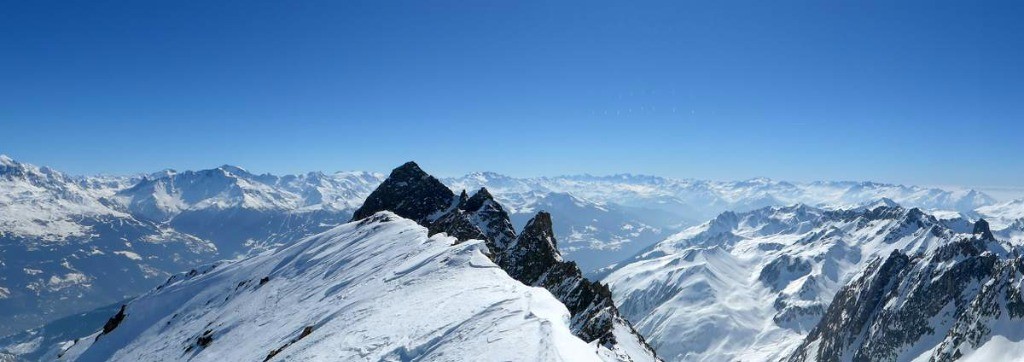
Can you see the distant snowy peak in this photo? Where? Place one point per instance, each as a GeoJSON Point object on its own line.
{"type": "Point", "coordinates": [163, 196]}
{"type": "Point", "coordinates": [377, 289]}
{"type": "Point", "coordinates": [39, 202]}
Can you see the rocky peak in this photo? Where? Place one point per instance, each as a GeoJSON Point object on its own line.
{"type": "Point", "coordinates": [477, 201]}
{"type": "Point", "coordinates": [534, 251]}
{"type": "Point", "coordinates": [982, 230]}
{"type": "Point", "coordinates": [410, 193]}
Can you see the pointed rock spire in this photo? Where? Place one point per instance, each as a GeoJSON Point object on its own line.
{"type": "Point", "coordinates": [534, 252]}
{"type": "Point", "coordinates": [408, 192]}
{"type": "Point", "coordinates": [477, 201]}
{"type": "Point", "coordinates": [982, 230]}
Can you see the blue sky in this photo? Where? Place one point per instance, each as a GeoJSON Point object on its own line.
{"type": "Point", "coordinates": [924, 92]}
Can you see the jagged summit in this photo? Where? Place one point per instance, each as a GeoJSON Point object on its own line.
{"type": "Point", "coordinates": [408, 192]}
{"type": "Point", "coordinates": [477, 201]}
{"type": "Point", "coordinates": [535, 251]}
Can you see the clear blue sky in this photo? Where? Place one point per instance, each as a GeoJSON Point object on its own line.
{"type": "Point", "coordinates": [926, 92]}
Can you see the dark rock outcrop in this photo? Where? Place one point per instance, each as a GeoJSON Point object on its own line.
{"type": "Point", "coordinates": [410, 193]}
{"type": "Point", "coordinates": [114, 321]}
{"type": "Point", "coordinates": [982, 230]}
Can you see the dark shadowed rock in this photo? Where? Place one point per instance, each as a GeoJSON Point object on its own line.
{"type": "Point", "coordinates": [982, 230]}
{"type": "Point", "coordinates": [410, 193]}
{"type": "Point", "coordinates": [114, 321]}
{"type": "Point", "coordinates": [534, 252]}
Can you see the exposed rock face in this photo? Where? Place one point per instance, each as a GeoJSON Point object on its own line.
{"type": "Point", "coordinates": [431, 196]}
{"type": "Point", "coordinates": [962, 293]}
{"type": "Point", "coordinates": [114, 321]}
{"type": "Point", "coordinates": [534, 251]}
{"type": "Point", "coordinates": [531, 258]}
{"type": "Point", "coordinates": [982, 230]}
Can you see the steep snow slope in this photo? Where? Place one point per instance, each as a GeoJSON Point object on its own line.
{"type": "Point", "coordinates": [377, 289]}
{"type": "Point", "coordinates": [749, 286]}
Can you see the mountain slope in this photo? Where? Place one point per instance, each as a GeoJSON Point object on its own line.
{"type": "Point", "coordinates": [531, 257]}
{"type": "Point", "coordinates": [749, 286]}
{"type": "Point", "coordinates": [378, 289]}
{"type": "Point", "coordinates": [943, 305]}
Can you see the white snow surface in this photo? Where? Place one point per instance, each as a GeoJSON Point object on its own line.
{"type": "Point", "coordinates": [374, 290]}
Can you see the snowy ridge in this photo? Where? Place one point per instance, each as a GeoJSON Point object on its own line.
{"type": "Point", "coordinates": [377, 289]}
{"type": "Point", "coordinates": [531, 258]}
{"type": "Point", "coordinates": [749, 286]}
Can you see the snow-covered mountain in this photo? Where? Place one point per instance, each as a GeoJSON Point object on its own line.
{"type": "Point", "coordinates": [241, 211]}
{"type": "Point", "coordinates": [376, 289]}
{"type": "Point", "coordinates": [960, 301]}
{"type": "Point", "coordinates": [749, 286]}
{"type": "Point", "coordinates": [63, 251]}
